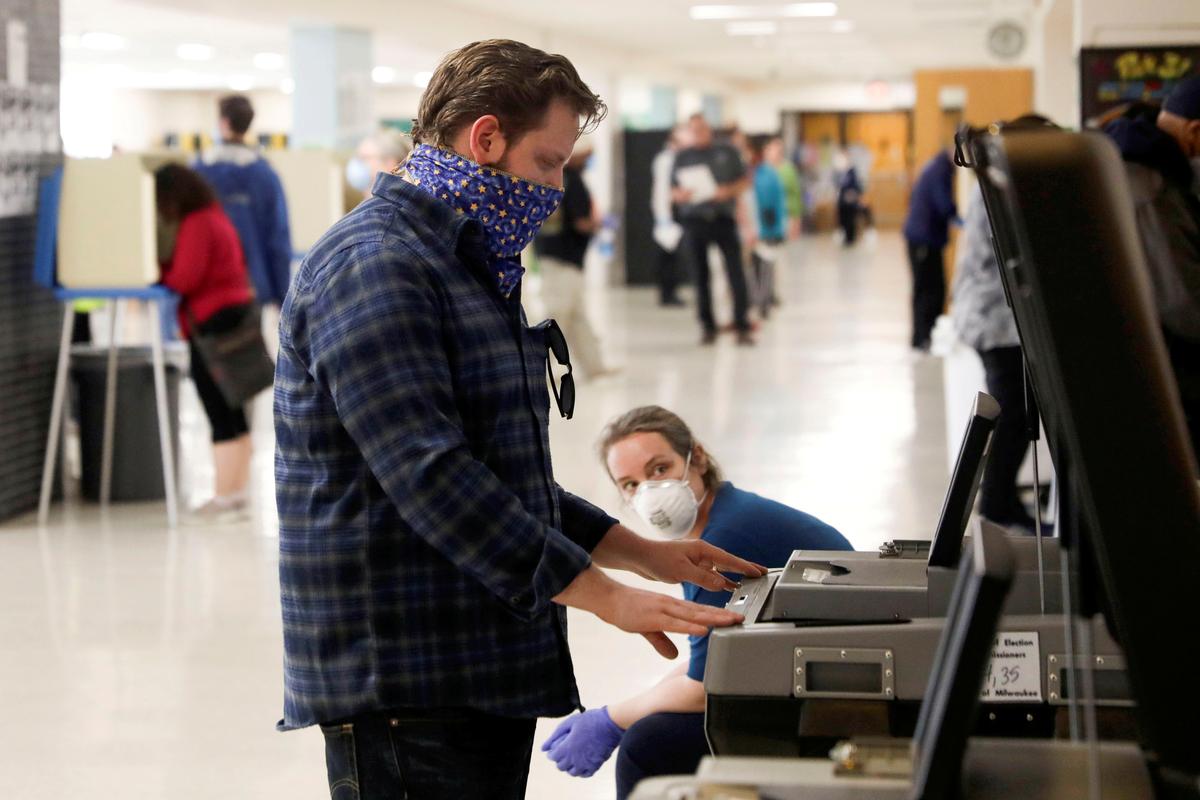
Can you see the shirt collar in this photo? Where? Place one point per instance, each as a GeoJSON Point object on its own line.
{"type": "Point", "coordinates": [464, 235]}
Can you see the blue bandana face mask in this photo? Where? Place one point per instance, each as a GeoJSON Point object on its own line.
{"type": "Point", "coordinates": [510, 209]}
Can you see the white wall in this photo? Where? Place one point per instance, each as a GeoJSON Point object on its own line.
{"type": "Point", "coordinates": [142, 117]}
{"type": "Point", "coordinates": [758, 111]}
{"type": "Point", "coordinates": [1145, 22]}
{"type": "Point", "coordinates": [1056, 67]}
{"type": "Point", "coordinates": [397, 102]}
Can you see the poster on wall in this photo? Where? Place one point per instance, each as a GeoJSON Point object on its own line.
{"type": "Point", "coordinates": [29, 113]}
{"type": "Point", "coordinates": [1114, 76]}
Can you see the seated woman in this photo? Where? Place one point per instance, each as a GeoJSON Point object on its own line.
{"type": "Point", "coordinates": [673, 483]}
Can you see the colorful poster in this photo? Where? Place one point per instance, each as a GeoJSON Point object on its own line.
{"type": "Point", "coordinates": [1114, 76]}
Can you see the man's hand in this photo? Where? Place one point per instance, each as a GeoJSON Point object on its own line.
{"type": "Point", "coordinates": [695, 561]}
{"type": "Point", "coordinates": [680, 195]}
{"type": "Point", "coordinates": [690, 560]}
{"type": "Point", "coordinates": [638, 611]}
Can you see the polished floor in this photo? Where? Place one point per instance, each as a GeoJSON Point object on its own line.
{"type": "Point", "coordinates": [141, 662]}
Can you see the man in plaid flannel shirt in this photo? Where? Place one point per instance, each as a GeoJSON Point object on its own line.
{"type": "Point", "coordinates": [427, 555]}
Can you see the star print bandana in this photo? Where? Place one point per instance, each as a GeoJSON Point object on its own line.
{"type": "Point", "coordinates": [510, 209]}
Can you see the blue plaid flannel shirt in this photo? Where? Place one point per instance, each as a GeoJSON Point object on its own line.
{"type": "Point", "coordinates": [421, 532]}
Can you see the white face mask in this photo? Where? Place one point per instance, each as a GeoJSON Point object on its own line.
{"type": "Point", "coordinates": [670, 506]}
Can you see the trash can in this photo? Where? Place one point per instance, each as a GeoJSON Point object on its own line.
{"type": "Point", "coordinates": [137, 455]}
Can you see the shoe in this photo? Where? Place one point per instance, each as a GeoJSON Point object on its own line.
{"type": "Point", "coordinates": [672, 302]}
{"type": "Point", "coordinates": [744, 339]}
{"type": "Point", "coordinates": [731, 327]}
{"type": "Point", "coordinates": [708, 338]}
{"type": "Point", "coordinates": [219, 511]}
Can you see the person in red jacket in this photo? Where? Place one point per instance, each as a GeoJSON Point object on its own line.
{"type": "Point", "coordinates": [208, 271]}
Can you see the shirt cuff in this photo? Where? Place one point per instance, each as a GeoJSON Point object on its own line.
{"type": "Point", "coordinates": [562, 561]}
{"type": "Point", "coordinates": [582, 522]}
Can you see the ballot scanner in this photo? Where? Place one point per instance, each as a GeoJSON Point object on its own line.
{"type": "Point", "coordinates": [841, 643]}
{"type": "Point", "coordinates": [931, 765]}
{"type": "Point", "coordinates": [786, 688]}
{"type": "Point", "coordinates": [1063, 228]}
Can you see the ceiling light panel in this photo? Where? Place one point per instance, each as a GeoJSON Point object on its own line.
{"type": "Point", "coordinates": [727, 12]}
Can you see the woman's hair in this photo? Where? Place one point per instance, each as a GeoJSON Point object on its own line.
{"type": "Point", "coordinates": [656, 419]}
{"type": "Point", "coordinates": [178, 191]}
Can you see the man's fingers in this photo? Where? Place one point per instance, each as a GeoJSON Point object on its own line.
{"type": "Point", "coordinates": [709, 579]}
{"type": "Point", "coordinates": [718, 558]}
{"type": "Point", "coordinates": [665, 647]}
{"type": "Point", "coordinates": [701, 614]}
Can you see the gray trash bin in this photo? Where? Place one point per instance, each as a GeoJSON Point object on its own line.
{"type": "Point", "coordinates": [137, 456]}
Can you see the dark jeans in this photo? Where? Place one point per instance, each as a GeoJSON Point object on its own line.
{"type": "Point", "coordinates": [428, 754]}
{"type": "Point", "coordinates": [227, 422]}
{"type": "Point", "coordinates": [697, 236]}
{"type": "Point", "coordinates": [668, 275]}
{"type": "Point", "coordinates": [848, 214]}
{"type": "Point", "coordinates": [929, 290]}
{"type": "Point", "coordinates": [660, 744]}
{"type": "Point", "coordinates": [1005, 373]}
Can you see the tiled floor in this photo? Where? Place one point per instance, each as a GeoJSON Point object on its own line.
{"type": "Point", "coordinates": [138, 662]}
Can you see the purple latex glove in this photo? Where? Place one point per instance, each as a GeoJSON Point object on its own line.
{"type": "Point", "coordinates": [582, 743]}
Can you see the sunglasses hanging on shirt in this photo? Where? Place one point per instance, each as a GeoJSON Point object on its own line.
{"type": "Point", "coordinates": [564, 391]}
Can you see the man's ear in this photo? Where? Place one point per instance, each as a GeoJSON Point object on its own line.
{"type": "Point", "coordinates": [485, 140]}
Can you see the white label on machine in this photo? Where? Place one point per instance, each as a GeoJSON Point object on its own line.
{"type": "Point", "coordinates": [1014, 674]}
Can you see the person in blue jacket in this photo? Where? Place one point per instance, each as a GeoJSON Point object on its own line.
{"type": "Point", "coordinates": [931, 211]}
{"type": "Point", "coordinates": [252, 197]}
{"type": "Point", "coordinates": [674, 484]}
{"type": "Point", "coordinates": [770, 201]}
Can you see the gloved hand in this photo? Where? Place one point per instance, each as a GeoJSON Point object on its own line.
{"type": "Point", "coordinates": [582, 743]}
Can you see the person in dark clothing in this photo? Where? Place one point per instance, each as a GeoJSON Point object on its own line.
{"type": "Point", "coordinates": [252, 196]}
{"type": "Point", "coordinates": [667, 232]}
{"type": "Point", "coordinates": [985, 322]}
{"type": "Point", "coordinates": [711, 220]}
{"type": "Point", "coordinates": [849, 205]}
{"type": "Point", "coordinates": [561, 245]}
{"type": "Point", "coordinates": [931, 210]}
{"type": "Point", "coordinates": [675, 485]}
{"type": "Point", "coordinates": [1156, 147]}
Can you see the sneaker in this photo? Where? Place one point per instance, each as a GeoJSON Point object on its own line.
{"type": "Point", "coordinates": [744, 339]}
{"type": "Point", "coordinates": [220, 511]}
{"type": "Point", "coordinates": [672, 302]}
{"type": "Point", "coordinates": [708, 338]}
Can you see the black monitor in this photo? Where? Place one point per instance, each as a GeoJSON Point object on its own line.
{"type": "Point", "coordinates": [959, 665]}
{"type": "Point", "coordinates": [1069, 250]}
{"type": "Point", "coordinates": [946, 547]}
